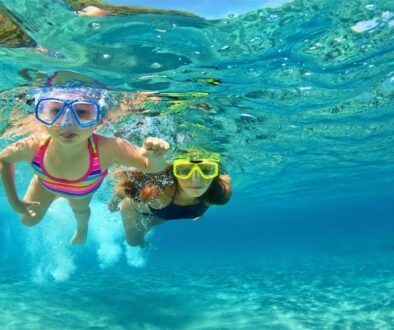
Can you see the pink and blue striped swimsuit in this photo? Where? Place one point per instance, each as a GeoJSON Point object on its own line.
{"type": "Point", "coordinates": [80, 188]}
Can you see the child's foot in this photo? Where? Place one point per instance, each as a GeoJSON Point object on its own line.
{"type": "Point", "coordinates": [79, 237]}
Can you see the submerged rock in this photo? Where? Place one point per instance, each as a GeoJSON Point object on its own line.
{"type": "Point", "coordinates": [99, 8]}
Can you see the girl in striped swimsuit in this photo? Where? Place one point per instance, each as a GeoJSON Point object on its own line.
{"type": "Point", "coordinates": [71, 161]}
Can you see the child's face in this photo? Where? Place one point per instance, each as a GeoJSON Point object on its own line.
{"type": "Point", "coordinates": [195, 186]}
{"type": "Point", "coordinates": [66, 130]}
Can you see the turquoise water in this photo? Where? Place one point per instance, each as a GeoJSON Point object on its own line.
{"type": "Point", "coordinates": [298, 99]}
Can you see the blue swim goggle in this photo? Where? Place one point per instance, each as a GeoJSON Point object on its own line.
{"type": "Point", "coordinates": [52, 111]}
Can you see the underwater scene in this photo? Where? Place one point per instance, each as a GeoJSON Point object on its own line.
{"type": "Point", "coordinates": [297, 99]}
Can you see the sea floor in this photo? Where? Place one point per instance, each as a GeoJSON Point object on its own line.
{"type": "Point", "coordinates": [341, 292]}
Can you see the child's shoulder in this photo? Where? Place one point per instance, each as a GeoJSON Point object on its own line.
{"type": "Point", "coordinates": [23, 149]}
{"type": "Point", "coordinates": [31, 142]}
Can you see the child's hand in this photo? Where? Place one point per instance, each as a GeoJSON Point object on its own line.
{"type": "Point", "coordinates": [24, 207]}
{"type": "Point", "coordinates": [155, 147]}
{"type": "Point", "coordinates": [113, 204]}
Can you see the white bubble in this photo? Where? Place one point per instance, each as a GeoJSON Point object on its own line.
{"type": "Point", "coordinates": [386, 15]}
{"type": "Point", "coordinates": [364, 26]}
{"type": "Point", "coordinates": [109, 253]}
{"type": "Point", "coordinates": [136, 256]}
{"type": "Point", "coordinates": [156, 65]}
{"type": "Point", "coordinates": [370, 7]}
{"type": "Point", "coordinates": [64, 268]}
{"type": "Point", "coordinates": [94, 26]}
{"type": "Point", "coordinates": [272, 17]}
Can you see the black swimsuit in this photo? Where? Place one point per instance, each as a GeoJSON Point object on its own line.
{"type": "Point", "coordinates": [175, 212]}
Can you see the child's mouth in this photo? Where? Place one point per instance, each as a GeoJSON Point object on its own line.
{"type": "Point", "coordinates": [68, 135]}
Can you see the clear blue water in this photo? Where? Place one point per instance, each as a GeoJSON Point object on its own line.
{"type": "Point", "coordinates": [298, 99]}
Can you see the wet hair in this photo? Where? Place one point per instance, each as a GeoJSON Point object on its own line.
{"type": "Point", "coordinates": [144, 187]}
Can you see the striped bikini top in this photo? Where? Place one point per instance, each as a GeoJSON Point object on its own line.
{"type": "Point", "coordinates": [80, 188]}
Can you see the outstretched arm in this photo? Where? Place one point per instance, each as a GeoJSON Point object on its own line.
{"type": "Point", "coordinates": [150, 158]}
{"type": "Point", "coordinates": [22, 150]}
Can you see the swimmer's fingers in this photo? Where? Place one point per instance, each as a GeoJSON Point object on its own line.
{"type": "Point", "coordinates": [23, 207]}
{"type": "Point", "coordinates": [28, 203]}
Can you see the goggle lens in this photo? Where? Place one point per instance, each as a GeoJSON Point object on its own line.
{"type": "Point", "coordinates": [48, 110]}
{"type": "Point", "coordinates": [184, 170]}
{"type": "Point", "coordinates": [86, 113]}
{"type": "Point", "coordinates": [205, 170]}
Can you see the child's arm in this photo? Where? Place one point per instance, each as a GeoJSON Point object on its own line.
{"type": "Point", "coordinates": [149, 158]}
{"type": "Point", "coordinates": [22, 150]}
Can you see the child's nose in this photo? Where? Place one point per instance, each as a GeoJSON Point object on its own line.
{"type": "Point", "coordinates": [66, 121]}
{"type": "Point", "coordinates": [196, 176]}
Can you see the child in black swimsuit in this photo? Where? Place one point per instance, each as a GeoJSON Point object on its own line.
{"type": "Point", "coordinates": [185, 190]}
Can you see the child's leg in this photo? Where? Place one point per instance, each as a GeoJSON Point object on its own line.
{"type": "Point", "coordinates": [81, 210]}
{"type": "Point", "coordinates": [37, 193]}
{"type": "Point", "coordinates": [135, 225]}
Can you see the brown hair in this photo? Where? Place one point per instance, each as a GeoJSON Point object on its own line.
{"type": "Point", "coordinates": [144, 187]}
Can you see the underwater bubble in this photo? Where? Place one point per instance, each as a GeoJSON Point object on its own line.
{"type": "Point", "coordinates": [109, 253]}
{"type": "Point", "coordinates": [386, 15]}
{"type": "Point", "coordinates": [94, 26]}
{"type": "Point", "coordinates": [106, 56]}
{"type": "Point", "coordinates": [272, 17]}
{"type": "Point", "coordinates": [255, 39]}
{"type": "Point", "coordinates": [63, 270]}
{"type": "Point", "coordinates": [136, 256]}
{"type": "Point", "coordinates": [247, 115]}
{"type": "Point", "coordinates": [370, 7]}
{"type": "Point", "coordinates": [156, 65]}
{"type": "Point", "coordinates": [364, 26]}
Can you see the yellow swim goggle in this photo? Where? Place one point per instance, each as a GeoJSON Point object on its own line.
{"type": "Point", "coordinates": [184, 168]}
